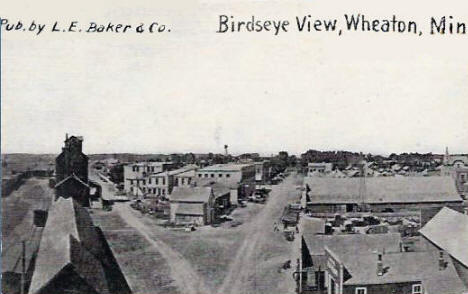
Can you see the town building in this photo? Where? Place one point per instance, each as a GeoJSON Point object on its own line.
{"type": "Point", "coordinates": [314, 277]}
{"type": "Point", "coordinates": [448, 231]}
{"type": "Point", "coordinates": [314, 168]}
{"type": "Point", "coordinates": [262, 171]}
{"type": "Point", "coordinates": [136, 175]}
{"type": "Point", "coordinates": [186, 178]}
{"type": "Point", "coordinates": [423, 272]}
{"type": "Point", "coordinates": [231, 175]}
{"type": "Point", "coordinates": [199, 205]}
{"type": "Point", "coordinates": [162, 184]}
{"type": "Point", "coordinates": [378, 194]}
{"type": "Point", "coordinates": [73, 256]}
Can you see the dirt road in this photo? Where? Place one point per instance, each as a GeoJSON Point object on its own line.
{"type": "Point", "coordinates": [186, 278]}
{"type": "Point", "coordinates": [242, 274]}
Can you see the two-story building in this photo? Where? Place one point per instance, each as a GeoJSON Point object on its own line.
{"type": "Point", "coordinates": [231, 175]}
{"type": "Point", "coordinates": [162, 184]}
{"type": "Point", "coordinates": [421, 272]}
{"type": "Point", "coordinates": [136, 175]}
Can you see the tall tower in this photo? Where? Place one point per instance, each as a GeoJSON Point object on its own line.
{"type": "Point", "coordinates": [446, 157]}
{"type": "Point", "coordinates": [72, 160]}
{"type": "Point", "coordinates": [226, 150]}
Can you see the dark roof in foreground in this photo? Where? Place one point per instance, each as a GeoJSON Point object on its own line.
{"type": "Point", "coordinates": [68, 225]}
{"type": "Point", "coordinates": [71, 244]}
{"type": "Point", "coordinates": [448, 229]}
{"type": "Point", "coordinates": [382, 190]}
{"type": "Point", "coordinates": [404, 267]}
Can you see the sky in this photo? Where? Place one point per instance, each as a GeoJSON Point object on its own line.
{"type": "Point", "coordinates": [194, 90]}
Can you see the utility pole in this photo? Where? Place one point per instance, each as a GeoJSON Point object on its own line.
{"type": "Point", "coordinates": [23, 267]}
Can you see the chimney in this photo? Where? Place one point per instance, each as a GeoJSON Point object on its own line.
{"type": "Point", "coordinates": [442, 264]}
{"type": "Point", "coordinates": [379, 265]}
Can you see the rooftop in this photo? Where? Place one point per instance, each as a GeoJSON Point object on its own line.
{"type": "Point", "coordinates": [453, 240]}
{"type": "Point", "coordinates": [403, 267]}
{"type": "Point", "coordinates": [191, 194]}
{"type": "Point", "coordinates": [69, 238]}
{"type": "Point", "coordinates": [382, 190]}
{"type": "Point", "coordinates": [228, 167]}
{"type": "Point", "coordinates": [190, 209]}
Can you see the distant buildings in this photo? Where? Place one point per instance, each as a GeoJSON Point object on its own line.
{"type": "Point", "coordinates": [456, 166]}
{"type": "Point", "coordinates": [378, 194]}
{"type": "Point", "coordinates": [319, 168]}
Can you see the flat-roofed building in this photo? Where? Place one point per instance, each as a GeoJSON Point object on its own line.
{"type": "Point", "coordinates": [231, 175]}
{"type": "Point", "coordinates": [136, 175]}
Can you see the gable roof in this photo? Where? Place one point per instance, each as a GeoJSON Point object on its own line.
{"type": "Point", "coordinates": [382, 190]}
{"type": "Point", "coordinates": [191, 194]}
{"type": "Point", "coordinates": [69, 239]}
{"type": "Point", "coordinates": [226, 167]}
{"type": "Point", "coordinates": [403, 267]}
{"type": "Point", "coordinates": [193, 209]}
{"type": "Point", "coordinates": [448, 229]}
{"type": "Point", "coordinates": [72, 177]}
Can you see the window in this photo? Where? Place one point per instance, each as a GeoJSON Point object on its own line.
{"type": "Point", "coordinates": [199, 175]}
{"type": "Point", "coordinates": [228, 175]}
{"type": "Point", "coordinates": [149, 181]}
{"type": "Point", "coordinates": [417, 289]}
{"type": "Point", "coordinates": [220, 175]}
{"type": "Point", "coordinates": [361, 290]}
{"type": "Point", "coordinates": [206, 175]}
{"type": "Point", "coordinates": [189, 180]}
{"type": "Point", "coordinates": [183, 181]}
{"type": "Point", "coordinates": [164, 181]}
{"type": "Point", "coordinates": [212, 175]}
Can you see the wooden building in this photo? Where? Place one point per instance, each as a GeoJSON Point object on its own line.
{"type": "Point", "coordinates": [448, 231]}
{"type": "Point", "coordinates": [379, 194]}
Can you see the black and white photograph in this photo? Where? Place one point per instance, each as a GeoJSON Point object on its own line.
{"type": "Point", "coordinates": [234, 147]}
